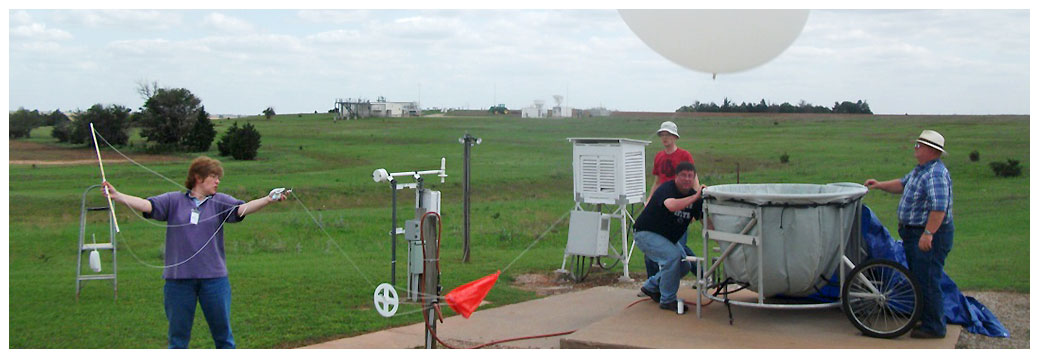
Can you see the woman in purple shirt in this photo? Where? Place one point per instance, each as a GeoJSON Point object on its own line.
{"type": "Point", "coordinates": [195, 271]}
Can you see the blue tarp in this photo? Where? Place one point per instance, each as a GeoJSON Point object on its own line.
{"type": "Point", "coordinates": [957, 308]}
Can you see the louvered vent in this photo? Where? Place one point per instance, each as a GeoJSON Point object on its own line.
{"type": "Point", "coordinates": [635, 171]}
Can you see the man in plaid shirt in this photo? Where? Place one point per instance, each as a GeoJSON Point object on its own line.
{"type": "Point", "coordinates": [925, 225]}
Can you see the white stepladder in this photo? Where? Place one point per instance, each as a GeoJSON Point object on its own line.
{"type": "Point", "coordinates": [92, 248]}
{"type": "Point", "coordinates": [608, 172]}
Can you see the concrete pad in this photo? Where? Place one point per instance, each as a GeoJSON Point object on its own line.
{"type": "Point", "coordinates": [644, 325]}
{"type": "Point", "coordinates": [553, 314]}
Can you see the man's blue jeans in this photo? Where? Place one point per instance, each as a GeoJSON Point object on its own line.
{"type": "Point", "coordinates": [669, 255]}
{"type": "Point", "coordinates": [652, 267]}
{"type": "Point", "coordinates": [927, 268]}
{"type": "Point", "coordinates": [213, 294]}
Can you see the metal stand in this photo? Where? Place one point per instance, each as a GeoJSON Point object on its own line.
{"type": "Point", "coordinates": [745, 237]}
{"type": "Point", "coordinates": [431, 275]}
{"type": "Point", "coordinates": [88, 247]}
{"type": "Point", "coordinates": [622, 213]}
{"type": "Point", "coordinates": [411, 228]}
{"type": "Point", "coordinates": [467, 142]}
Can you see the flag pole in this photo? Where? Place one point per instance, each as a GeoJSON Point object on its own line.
{"type": "Point", "coordinates": [111, 208]}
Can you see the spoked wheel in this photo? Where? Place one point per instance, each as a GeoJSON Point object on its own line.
{"type": "Point", "coordinates": [881, 299]}
{"type": "Point", "coordinates": [580, 267]}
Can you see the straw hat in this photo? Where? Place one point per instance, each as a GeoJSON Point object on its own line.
{"type": "Point", "coordinates": [932, 139]}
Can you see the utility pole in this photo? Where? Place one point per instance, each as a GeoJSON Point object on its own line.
{"type": "Point", "coordinates": [467, 141]}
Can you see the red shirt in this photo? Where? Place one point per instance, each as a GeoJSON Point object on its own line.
{"type": "Point", "coordinates": [664, 164]}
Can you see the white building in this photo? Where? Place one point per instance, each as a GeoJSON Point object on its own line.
{"type": "Point", "coordinates": [351, 108]}
{"type": "Point", "coordinates": [561, 112]}
{"type": "Point", "coordinates": [395, 109]}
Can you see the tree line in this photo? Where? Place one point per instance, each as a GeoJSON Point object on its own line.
{"type": "Point", "coordinates": [171, 120]}
{"type": "Point", "coordinates": [858, 107]}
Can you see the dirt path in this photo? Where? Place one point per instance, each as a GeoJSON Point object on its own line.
{"type": "Point", "coordinates": [34, 153]}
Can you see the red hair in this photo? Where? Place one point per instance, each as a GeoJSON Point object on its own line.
{"type": "Point", "coordinates": [203, 167]}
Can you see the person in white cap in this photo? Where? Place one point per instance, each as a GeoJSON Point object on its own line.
{"type": "Point", "coordinates": [665, 163]}
{"type": "Point", "coordinates": [926, 225]}
{"type": "Point", "coordinates": [666, 160]}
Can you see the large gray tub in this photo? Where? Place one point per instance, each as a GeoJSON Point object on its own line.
{"type": "Point", "coordinates": [801, 229]}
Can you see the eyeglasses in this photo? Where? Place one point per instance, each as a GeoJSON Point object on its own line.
{"type": "Point", "coordinates": [917, 145]}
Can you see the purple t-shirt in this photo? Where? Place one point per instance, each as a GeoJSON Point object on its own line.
{"type": "Point", "coordinates": [183, 239]}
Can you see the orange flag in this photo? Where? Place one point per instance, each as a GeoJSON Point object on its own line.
{"type": "Point", "coordinates": [466, 298]}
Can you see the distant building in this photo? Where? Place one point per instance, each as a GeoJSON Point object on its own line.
{"type": "Point", "coordinates": [561, 112]}
{"type": "Point", "coordinates": [598, 112]}
{"type": "Point", "coordinates": [538, 110]}
{"type": "Point", "coordinates": [358, 108]}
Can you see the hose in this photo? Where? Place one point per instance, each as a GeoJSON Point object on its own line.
{"type": "Point", "coordinates": [426, 320]}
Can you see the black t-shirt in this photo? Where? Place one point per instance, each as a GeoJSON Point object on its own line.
{"type": "Point", "coordinates": [658, 219]}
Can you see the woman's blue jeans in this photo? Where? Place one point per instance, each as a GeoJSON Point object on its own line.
{"type": "Point", "coordinates": [670, 258]}
{"type": "Point", "coordinates": [927, 268]}
{"type": "Point", "coordinates": [213, 295]}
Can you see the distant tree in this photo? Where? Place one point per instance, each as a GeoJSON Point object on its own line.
{"type": "Point", "coordinates": [112, 123]}
{"type": "Point", "coordinates": [168, 115]}
{"type": "Point", "coordinates": [147, 90]}
{"type": "Point", "coordinates": [761, 106]}
{"type": "Point", "coordinates": [727, 106]}
{"type": "Point", "coordinates": [23, 122]}
{"type": "Point", "coordinates": [54, 117]}
{"type": "Point", "coordinates": [860, 107]}
{"type": "Point", "coordinates": [268, 112]}
{"type": "Point", "coordinates": [201, 135]}
{"type": "Point", "coordinates": [63, 128]}
{"type": "Point", "coordinates": [241, 143]}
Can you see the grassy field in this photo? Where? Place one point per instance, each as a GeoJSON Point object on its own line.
{"type": "Point", "coordinates": [293, 285]}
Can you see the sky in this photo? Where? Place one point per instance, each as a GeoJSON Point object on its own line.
{"type": "Point", "coordinates": [301, 61]}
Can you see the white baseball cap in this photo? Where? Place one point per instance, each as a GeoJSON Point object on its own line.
{"type": "Point", "coordinates": [670, 127]}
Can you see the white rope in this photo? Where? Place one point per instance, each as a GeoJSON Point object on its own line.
{"type": "Point", "coordinates": [565, 214]}
{"type": "Point", "coordinates": [329, 237]}
{"type": "Point", "coordinates": [189, 258]}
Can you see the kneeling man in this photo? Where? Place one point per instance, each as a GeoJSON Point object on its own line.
{"type": "Point", "coordinates": [660, 226]}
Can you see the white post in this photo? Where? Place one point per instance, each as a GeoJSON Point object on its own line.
{"type": "Point", "coordinates": [111, 208]}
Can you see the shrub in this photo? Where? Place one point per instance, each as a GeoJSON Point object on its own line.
{"type": "Point", "coordinates": [1009, 169]}
{"type": "Point", "coordinates": [112, 122]}
{"type": "Point", "coordinates": [201, 135]}
{"type": "Point", "coordinates": [63, 130]}
{"type": "Point", "coordinates": [167, 115]}
{"type": "Point", "coordinates": [784, 158]}
{"type": "Point", "coordinates": [974, 156]}
{"type": "Point", "coordinates": [241, 143]}
{"type": "Point", "coordinates": [24, 121]}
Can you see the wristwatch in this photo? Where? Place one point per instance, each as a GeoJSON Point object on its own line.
{"type": "Point", "coordinates": [926, 231]}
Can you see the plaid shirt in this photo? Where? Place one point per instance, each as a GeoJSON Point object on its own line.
{"type": "Point", "coordinates": [927, 188]}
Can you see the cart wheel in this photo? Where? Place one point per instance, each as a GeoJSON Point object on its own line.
{"type": "Point", "coordinates": [881, 299]}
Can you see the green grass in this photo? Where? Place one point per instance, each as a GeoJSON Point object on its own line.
{"type": "Point", "coordinates": [293, 287]}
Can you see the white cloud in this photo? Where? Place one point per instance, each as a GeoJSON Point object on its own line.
{"type": "Point", "coordinates": [334, 16]}
{"type": "Point", "coordinates": [129, 20]}
{"type": "Point", "coordinates": [20, 17]}
{"type": "Point", "coordinates": [228, 24]}
{"type": "Point", "coordinates": [39, 32]}
{"type": "Point", "coordinates": [335, 37]}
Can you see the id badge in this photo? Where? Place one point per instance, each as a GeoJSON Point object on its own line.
{"type": "Point", "coordinates": [195, 216]}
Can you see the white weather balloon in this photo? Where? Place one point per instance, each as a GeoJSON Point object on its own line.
{"type": "Point", "coordinates": [717, 41]}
